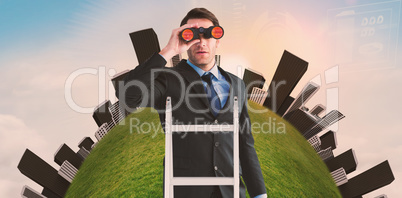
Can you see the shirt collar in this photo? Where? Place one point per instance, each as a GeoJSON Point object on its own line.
{"type": "Point", "coordinates": [214, 70]}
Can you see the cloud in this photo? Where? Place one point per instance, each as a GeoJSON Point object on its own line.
{"type": "Point", "coordinates": [15, 137]}
{"type": "Point", "coordinates": [14, 134]}
{"type": "Point", "coordinates": [9, 188]}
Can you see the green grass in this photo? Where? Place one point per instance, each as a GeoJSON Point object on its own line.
{"type": "Point", "coordinates": [129, 164]}
{"type": "Point", "coordinates": [290, 166]}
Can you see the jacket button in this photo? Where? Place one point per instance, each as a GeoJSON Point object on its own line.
{"type": "Point", "coordinates": [216, 168]}
{"type": "Point", "coordinates": [216, 144]}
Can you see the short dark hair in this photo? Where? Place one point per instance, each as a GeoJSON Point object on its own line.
{"type": "Point", "coordinates": [200, 13]}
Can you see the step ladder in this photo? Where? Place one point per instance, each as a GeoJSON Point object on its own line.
{"type": "Point", "coordinates": [171, 181]}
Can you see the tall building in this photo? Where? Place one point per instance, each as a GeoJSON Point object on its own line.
{"type": "Point", "coordinates": [117, 112]}
{"type": "Point", "coordinates": [329, 140]}
{"type": "Point", "coordinates": [145, 44]}
{"type": "Point", "coordinates": [218, 60]}
{"type": "Point", "coordinates": [258, 95]}
{"type": "Point", "coordinates": [347, 160]}
{"type": "Point", "coordinates": [285, 105]}
{"type": "Point", "coordinates": [252, 79]}
{"type": "Point", "coordinates": [368, 181]}
{"type": "Point", "coordinates": [288, 73]}
{"type": "Point", "coordinates": [66, 153]}
{"type": "Point", "coordinates": [49, 194]}
{"type": "Point", "coordinates": [317, 110]}
{"type": "Point", "coordinates": [308, 91]}
{"type": "Point", "coordinates": [326, 154]}
{"type": "Point", "coordinates": [339, 176]}
{"type": "Point", "coordinates": [102, 114]}
{"type": "Point", "coordinates": [86, 143]}
{"type": "Point", "coordinates": [302, 121]}
{"type": "Point", "coordinates": [42, 173]}
{"type": "Point", "coordinates": [315, 142]}
{"type": "Point", "coordinates": [83, 153]}
{"type": "Point", "coordinates": [103, 130]}
{"type": "Point", "coordinates": [28, 192]}
{"type": "Point", "coordinates": [329, 119]}
{"type": "Point", "coordinates": [67, 171]}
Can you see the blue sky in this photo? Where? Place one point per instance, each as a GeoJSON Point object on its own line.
{"type": "Point", "coordinates": [26, 25]}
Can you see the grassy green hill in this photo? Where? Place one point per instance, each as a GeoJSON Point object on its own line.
{"type": "Point", "coordinates": [129, 164]}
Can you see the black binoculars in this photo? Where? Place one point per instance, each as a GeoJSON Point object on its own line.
{"type": "Point", "coordinates": [190, 34]}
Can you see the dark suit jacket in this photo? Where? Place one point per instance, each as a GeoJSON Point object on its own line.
{"type": "Point", "coordinates": [200, 154]}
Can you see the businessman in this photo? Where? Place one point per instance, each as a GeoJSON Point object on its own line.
{"type": "Point", "coordinates": [201, 93]}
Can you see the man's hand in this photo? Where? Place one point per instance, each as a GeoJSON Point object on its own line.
{"type": "Point", "coordinates": [177, 45]}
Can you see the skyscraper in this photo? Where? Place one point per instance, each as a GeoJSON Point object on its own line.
{"type": "Point", "coordinates": [28, 192]}
{"type": "Point", "coordinates": [368, 181]}
{"type": "Point", "coordinates": [86, 143]}
{"type": "Point", "coordinates": [42, 173]}
{"type": "Point", "coordinates": [317, 110]}
{"type": "Point", "coordinates": [329, 140]}
{"type": "Point", "coordinates": [252, 79]}
{"type": "Point", "coordinates": [258, 95]}
{"type": "Point", "coordinates": [308, 91]}
{"type": "Point", "coordinates": [326, 154]}
{"type": "Point", "coordinates": [339, 176]}
{"type": "Point", "coordinates": [118, 113]}
{"type": "Point", "coordinates": [302, 121]}
{"type": "Point", "coordinates": [103, 130]}
{"type": "Point", "coordinates": [288, 73]}
{"type": "Point", "coordinates": [66, 153]}
{"type": "Point", "coordinates": [67, 171]}
{"type": "Point", "coordinates": [347, 160]}
{"type": "Point", "coordinates": [218, 60]}
{"type": "Point", "coordinates": [329, 119]}
{"type": "Point", "coordinates": [145, 44]}
{"type": "Point", "coordinates": [285, 105]}
{"type": "Point", "coordinates": [102, 114]}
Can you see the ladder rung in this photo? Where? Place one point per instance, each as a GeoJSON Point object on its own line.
{"type": "Point", "coordinates": [202, 181]}
{"type": "Point", "coordinates": [202, 128]}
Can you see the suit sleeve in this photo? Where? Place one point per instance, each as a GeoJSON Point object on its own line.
{"type": "Point", "coordinates": [250, 164]}
{"type": "Point", "coordinates": [145, 85]}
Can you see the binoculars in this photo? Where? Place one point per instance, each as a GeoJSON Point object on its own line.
{"type": "Point", "coordinates": [190, 34]}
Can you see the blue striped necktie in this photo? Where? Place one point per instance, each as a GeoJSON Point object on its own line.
{"type": "Point", "coordinates": [213, 98]}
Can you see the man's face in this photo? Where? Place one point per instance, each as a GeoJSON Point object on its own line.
{"type": "Point", "coordinates": [202, 54]}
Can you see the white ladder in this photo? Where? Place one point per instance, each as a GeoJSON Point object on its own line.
{"type": "Point", "coordinates": [171, 181]}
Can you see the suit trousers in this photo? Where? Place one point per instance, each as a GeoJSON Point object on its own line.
{"type": "Point", "coordinates": [217, 193]}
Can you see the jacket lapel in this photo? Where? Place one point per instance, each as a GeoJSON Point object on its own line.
{"type": "Point", "coordinates": [233, 85]}
{"type": "Point", "coordinates": [193, 79]}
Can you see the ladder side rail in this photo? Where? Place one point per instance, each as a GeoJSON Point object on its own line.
{"type": "Point", "coordinates": [168, 150]}
{"type": "Point", "coordinates": [236, 160]}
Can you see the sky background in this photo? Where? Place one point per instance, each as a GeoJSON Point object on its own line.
{"type": "Point", "coordinates": [44, 43]}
